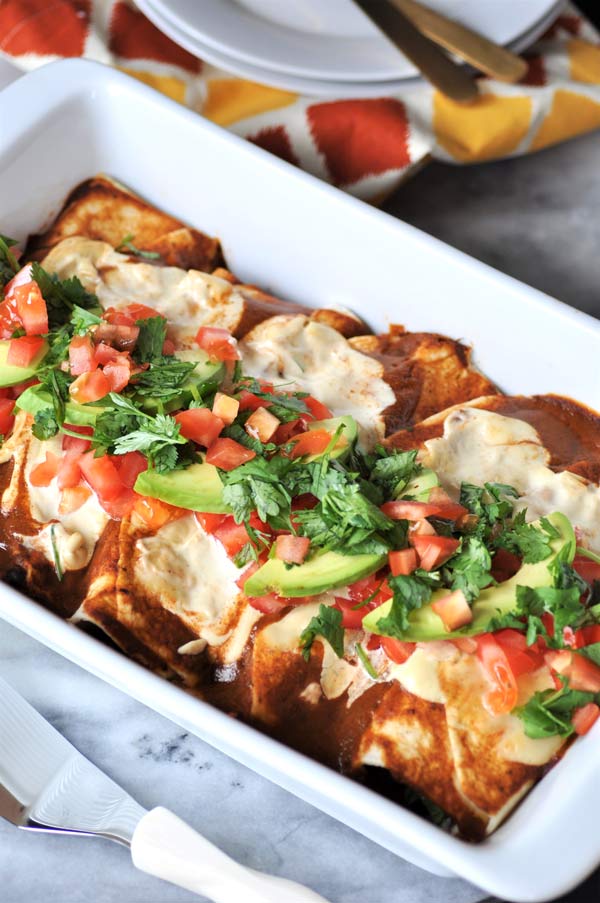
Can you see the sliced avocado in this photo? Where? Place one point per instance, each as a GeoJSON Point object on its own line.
{"type": "Point", "coordinates": [346, 439]}
{"type": "Point", "coordinates": [494, 601]}
{"type": "Point", "coordinates": [198, 488]}
{"type": "Point", "coordinates": [11, 375]}
{"type": "Point", "coordinates": [324, 571]}
{"type": "Point", "coordinates": [36, 398]}
{"type": "Point", "coordinates": [206, 377]}
{"type": "Point", "coordinates": [420, 486]}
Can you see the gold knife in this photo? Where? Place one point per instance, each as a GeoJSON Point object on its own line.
{"type": "Point", "coordinates": [446, 75]}
{"type": "Point", "coordinates": [479, 51]}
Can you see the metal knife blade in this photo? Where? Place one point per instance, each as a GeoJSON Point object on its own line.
{"type": "Point", "coordinates": [46, 784]}
{"type": "Point", "coordinates": [433, 63]}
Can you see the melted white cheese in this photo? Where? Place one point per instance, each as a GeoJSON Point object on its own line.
{"type": "Point", "coordinates": [189, 569]}
{"type": "Point", "coordinates": [188, 298]}
{"type": "Point", "coordinates": [75, 535]}
{"type": "Point", "coordinates": [479, 446]}
{"type": "Point", "coordinates": [314, 358]}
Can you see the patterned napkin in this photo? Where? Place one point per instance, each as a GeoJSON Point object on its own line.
{"type": "Point", "coordinates": [365, 147]}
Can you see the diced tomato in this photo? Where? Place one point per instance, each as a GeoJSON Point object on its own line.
{"type": "Point", "coordinates": [511, 639]}
{"type": "Point", "coordinates": [7, 419]}
{"type": "Point", "coordinates": [200, 425]}
{"type": "Point", "coordinates": [585, 717]}
{"type": "Point", "coordinates": [351, 617]}
{"type": "Point", "coordinates": [75, 443]}
{"type": "Point", "coordinates": [317, 408]}
{"type": "Point", "coordinates": [228, 454]}
{"type": "Point", "coordinates": [69, 471]}
{"type": "Point", "coordinates": [374, 588]}
{"type": "Point", "coordinates": [102, 475]}
{"type": "Point", "coordinates": [23, 277]}
{"type": "Point", "coordinates": [397, 650]}
{"type": "Point", "coordinates": [22, 351]}
{"type": "Point", "coordinates": [292, 549]}
{"type": "Point", "coordinates": [502, 695]}
{"type": "Point", "coordinates": [72, 498]}
{"type": "Point", "coordinates": [247, 573]}
{"type": "Point", "coordinates": [121, 505]}
{"type": "Point", "coordinates": [118, 373]}
{"type": "Point", "coordinates": [81, 355]}
{"type": "Point", "coordinates": [434, 550]}
{"type": "Point", "coordinates": [271, 604]}
{"type": "Point", "coordinates": [262, 425]}
{"type": "Point", "coordinates": [402, 562]}
{"type": "Point", "coordinates": [209, 522]}
{"type": "Point", "coordinates": [439, 496]}
{"type": "Point", "coordinates": [130, 466]}
{"type": "Point", "coordinates": [225, 407]}
{"type": "Point", "coordinates": [89, 387]}
{"type": "Point", "coordinates": [420, 528]}
{"type": "Point", "coordinates": [304, 502]}
{"type": "Point", "coordinates": [289, 430]}
{"type": "Point", "coordinates": [168, 347]}
{"type": "Point", "coordinates": [454, 610]}
{"type": "Point", "coordinates": [219, 344]}
{"type": "Point", "coordinates": [374, 642]}
{"type": "Point", "coordinates": [251, 402]}
{"type": "Point", "coordinates": [138, 311]}
{"type": "Point", "coordinates": [104, 353]}
{"type": "Point", "coordinates": [586, 568]}
{"type": "Point", "coordinates": [582, 673]}
{"type": "Point", "coordinates": [235, 536]}
{"type": "Point", "coordinates": [522, 658]}
{"type": "Point", "coordinates": [313, 442]}
{"type": "Point", "coordinates": [122, 335]}
{"type": "Point", "coordinates": [548, 621]}
{"type": "Point", "coordinates": [402, 510]}
{"type": "Point", "coordinates": [587, 635]}
{"type": "Point", "coordinates": [31, 308]}
{"type": "Point", "coordinates": [44, 472]}
{"type": "Point", "coordinates": [504, 565]}
{"type": "Point", "coordinates": [117, 317]}
{"type": "Point", "coordinates": [154, 513]}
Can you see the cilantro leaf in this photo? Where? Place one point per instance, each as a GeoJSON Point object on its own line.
{"type": "Point", "coordinates": [150, 341]}
{"type": "Point", "coordinates": [258, 485]}
{"type": "Point", "coordinates": [470, 568]}
{"type": "Point", "coordinates": [9, 264]}
{"type": "Point", "coordinates": [410, 593]}
{"type": "Point", "coordinates": [62, 296]}
{"type": "Point", "coordinates": [549, 713]}
{"type": "Point", "coordinates": [394, 470]}
{"type": "Point", "coordinates": [126, 245]}
{"type": "Point", "coordinates": [45, 424]}
{"type": "Point", "coordinates": [489, 503]}
{"type": "Point", "coordinates": [529, 541]}
{"type": "Point", "coordinates": [328, 624]}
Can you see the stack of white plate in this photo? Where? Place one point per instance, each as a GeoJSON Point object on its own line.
{"type": "Point", "coordinates": [319, 47]}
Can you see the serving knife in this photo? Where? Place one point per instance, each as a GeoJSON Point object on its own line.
{"type": "Point", "coordinates": [47, 785]}
{"type": "Point", "coordinates": [446, 75]}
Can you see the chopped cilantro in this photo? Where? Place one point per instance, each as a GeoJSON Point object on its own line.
{"type": "Point", "coordinates": [62, 296]}
{"type": "Point", "coordinates": [366, 662]}
{"type": "Point", "coordinates": [9, 264]}
{"type": "Point", "coordinates": [126, 245]}
{"type": "Point", "coordinates": [410, 593]}
{"type": "Point", "coordinates": [529, 541]}
{"type": "Point", "coordinates": [150, 341]}
{"type": "Point", "coordinates": [470, 568]}
{"type": "Point", "coordinates": [327, 624]}
{"type": "Point", "coordinates": [394, 470]}
{"type": "Point", "coordinates": [548, 713]}
{"type": "Point", "coordinates": [55, 553]}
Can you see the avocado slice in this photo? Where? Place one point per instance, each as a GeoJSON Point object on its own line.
{"type": "Point", "coordinates": [198, 488]}
{"type": "Point", "coordinates": [206, 377]}
{"type": "Point", "coordinates": [420, 486]}
{"type": "Point", "coordinates": [325, 570]}
{"type": "Point", "coordinates": [11, 375]}
{"type": "Point", "coordinates": [425, 624]}
{"type": "Point", "coordinates": [36, 398]}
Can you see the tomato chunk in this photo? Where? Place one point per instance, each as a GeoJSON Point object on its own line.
{"type": "Point", "coordinates": [44, 472]}
{"type": "Point", "coordinates": [209, 522]}
{"type": "Point", "coordinates": [130, 466]}
{"type": "Point", "coordinates": [72, 498]}
{"type": "Point", "coordinates": [219, 344]}
{"type": "Point", "coordinates": [586, 568]}
{"type": "Point", "coordinates": [434, 550]}
{"type": "Point", "coordinates": [89, 387]}
{"type": "Point", "coordinates": [292, 549]}
{"type": "Point", "coordinates": [104, 353]}
{"type": "Point", "coordinates": [7, 419]}
{"type": "Point", "coordinates": [235, 536]}
{"type": "Point", "coordinates": [454, 610]}
{"type": "Point", "coordinates": [585, 717]}
{"type": "Point", "coordinates": [582, 673]}
{"type": "Point", "coordinates": [397, 650]}
{"type": "Point", "coordinates": [351, 617]}
{"type": "Point", "coordinates": [69, 471]}
{"type": "Point", "coordinates": [271, 604]}
{"type": "Point", "coordinates": [81, 355]}
{"type": "Point", "coordinates": [317, 408]}
{"type": "Point", "coordinates": [402, 510]}
{"type": "Point", "coordinates": [75, 443]}
{"type": "Point", "coordinates": [261, 424]}
{"type": "Point", "coordinates": [154, 513]}
{"type": "Point", "coordinates": [200, 425]}
{"type": "Point", "coordinates": [118, 373]}
{"type": "Point", "coordinates": [31, 308]}
{"type": "Point", "coordinates": [402, 562]}
{"type": "Point", "coordinates": [251, 402]}
{"type": "Point", "coordinates": [22, 351]}
{"type": "Point", "coordinates": [138, 311]}
{"type": "Point", "coordinates": [502, 695]}
{"type": "Point", "coordinates": [102, 475]}
{"type": "Point", "coordinates": [313, 442]}
{"type": "Point", "coordinates": [228, 454]}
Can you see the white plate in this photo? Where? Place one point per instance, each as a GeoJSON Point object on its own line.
{"type": "Point", "coordinates": [332, 39]}
{"type": "Point", "coordinates": [305, 86]}
{"type": "Point", "coordinates": [305, 240]}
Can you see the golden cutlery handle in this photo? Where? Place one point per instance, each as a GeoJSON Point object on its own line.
{"type": "Point", "coordinates": [482, 53]}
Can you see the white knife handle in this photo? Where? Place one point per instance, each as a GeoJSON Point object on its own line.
{"type": "Point", "coordinates": [164, 846]}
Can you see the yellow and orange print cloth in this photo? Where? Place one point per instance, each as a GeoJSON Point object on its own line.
{"type": "Point", "coordinates": [365, 147]}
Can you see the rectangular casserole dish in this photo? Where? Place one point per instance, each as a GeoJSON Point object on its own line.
{"type": "Point", "coordinates": [310, 243]}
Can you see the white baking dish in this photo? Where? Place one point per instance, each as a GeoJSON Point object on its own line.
{"type": "Point", "coordinates": [297, 236]}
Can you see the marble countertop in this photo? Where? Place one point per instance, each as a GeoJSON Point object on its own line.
{"type": "Point", "coordinates": [535, 218]}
